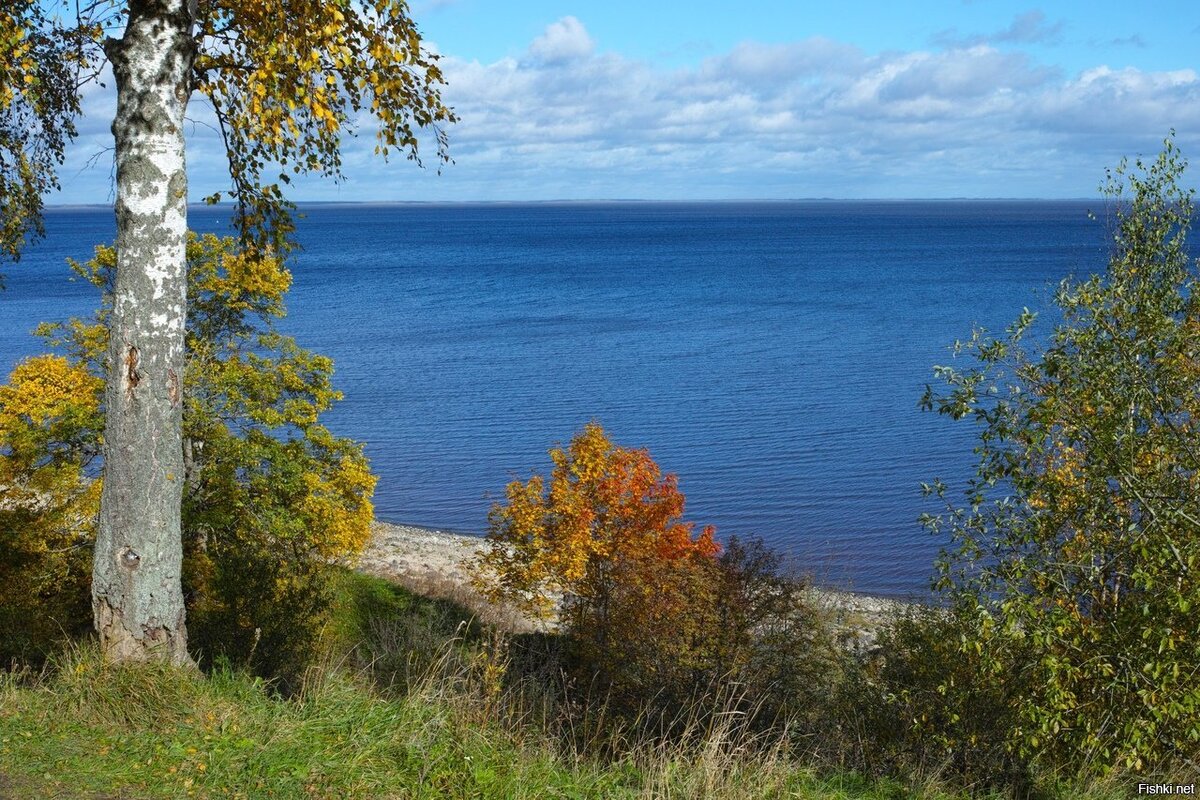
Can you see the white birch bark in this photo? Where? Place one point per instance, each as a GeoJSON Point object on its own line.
{"type": "Point", "coordinates": [137, 596]}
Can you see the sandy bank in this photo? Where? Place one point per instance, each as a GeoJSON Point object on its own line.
{"type": "Point", "coordinates": [433, 562]}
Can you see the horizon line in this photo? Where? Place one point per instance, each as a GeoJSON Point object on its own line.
{"type": "Point", "coordinates": [634, 200]}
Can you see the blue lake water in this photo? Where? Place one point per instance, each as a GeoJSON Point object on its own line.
{"type": "Point", "coordinates": [770, 354]}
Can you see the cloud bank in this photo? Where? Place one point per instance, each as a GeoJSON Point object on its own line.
{"type": "Point", "coordinates": [811, 118]}
{"type": "Point", "coordinates": [969, 116]}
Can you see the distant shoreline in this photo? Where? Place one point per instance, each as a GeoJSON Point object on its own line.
{"type": "Point", "coordinates": [301, 204]}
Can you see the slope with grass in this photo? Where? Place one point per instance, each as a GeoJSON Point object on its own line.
{"type": "Point", "coordinates": [403, 704]}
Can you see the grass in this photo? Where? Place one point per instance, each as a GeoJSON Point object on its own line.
{"type": "Point", "coordinates": [407, 703]}
{"type": "Point", "coordinates": [101, 732]}
{"type": "Point", "coordinates": [95, 731]}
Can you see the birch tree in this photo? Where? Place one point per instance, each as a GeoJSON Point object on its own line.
{"type": "Point", "coordinates": [1079, 541]}
{"type": "Point", "coordinates": [286, 80]}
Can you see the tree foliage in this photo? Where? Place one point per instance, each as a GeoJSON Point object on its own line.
{"type": "Point", "coordinates": [606, 508]}
{"type": "Point", "coordinates": [1079, 542]}
{"type": "Point", "coordinates": [605, 532]}
{"type": "Point", "coordinates": [49, 424]}
{"type": "Point", "coordinates": [287, 80]}
{"type": "Point", "coordinates": [271, 495]}
{"type": "Point", "coordinates": [657, 614]}
{"type": "Point", "coordinates": [41, 66]}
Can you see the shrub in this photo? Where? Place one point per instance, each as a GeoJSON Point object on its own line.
{"type": "Point", "coordinates": [270, 496]}
{"type": "Point", "coordinates": [765, 637]}
{"type": "Point", "coordinates": [606, 533]}
{"type": "Point", "coordinates": [927, 704]}
{"type": "Point", "coordinates": [660, 620]}
{"type": "Point", "coordinates": [1079, 542]}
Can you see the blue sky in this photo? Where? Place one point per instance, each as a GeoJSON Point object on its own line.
{"type": "Point", "coordinates": [564, 99]}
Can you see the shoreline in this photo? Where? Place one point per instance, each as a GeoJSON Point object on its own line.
{"type": "Point", "coordinates": [430, 561]}
{"type": "Point", "coordinates": [417, 552]}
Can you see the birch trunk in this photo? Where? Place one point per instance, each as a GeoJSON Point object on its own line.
{"type": "Point", "coordinates": [137, 597]}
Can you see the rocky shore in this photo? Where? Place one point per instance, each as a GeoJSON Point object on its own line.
{"type": "Point", "coordinates": [410, 553]}
{"type": "Point", "coordinates": [434, 563]}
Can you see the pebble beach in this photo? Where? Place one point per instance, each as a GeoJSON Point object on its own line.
{"type": "Point", "coordinates": [434, 562]}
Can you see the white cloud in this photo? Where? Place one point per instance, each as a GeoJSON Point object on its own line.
{"type": "Point", "coordinates": [809, 118]}
{"type": "Point", "coordinates": [565, 40]}
{"type": "Point", "coordinates": [814, 117]}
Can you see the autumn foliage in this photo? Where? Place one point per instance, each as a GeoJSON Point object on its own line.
{"type": "Point", "coordinates": [271, 496]}
{"type": "Point", "coordinates": [606, 508]}
{"type": "Point", "coordinates": [657, 615]}
{"type": "Point", "coordinates": [49, 418]}
{"type": "Point", "coordinates": [605, 532]}
{"type": "Point", "coordinates": [289, 79]}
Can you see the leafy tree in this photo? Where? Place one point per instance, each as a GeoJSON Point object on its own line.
{"type": "Point", "coordinates": [657, 613]}
{"type": "Point", "coordinates": [49, 426]}
{"type": "Point", "coordinates": [605, 532]}
{"type": "Point", "coordinates": [286, 79]}
{"type": "Point", "coordinates": [271, 495]}
{"type": "Point", "coordinates": [925, 704]}
{"type": "Point", "coordinates": [1079, 542]}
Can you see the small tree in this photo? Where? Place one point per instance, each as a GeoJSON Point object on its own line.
{"type": "Point", "coordinates": [659, 616]}
{"type": "Point", "coordinates": [1080, 537]}
{"type": "Point", "coordinates": [606, 532]}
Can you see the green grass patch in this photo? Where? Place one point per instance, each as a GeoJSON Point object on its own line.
{"type": "Point", "coordinates": [96, 730]}
{"type": "Point", "coordinates": [362, 604]}
{"type": "Point", "coordinates": [401, 706]}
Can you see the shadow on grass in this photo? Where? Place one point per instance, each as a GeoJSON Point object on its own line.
{"type": "Point", "coordinates": [394, 636]}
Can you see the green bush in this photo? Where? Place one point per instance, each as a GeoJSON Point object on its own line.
{"type": "Point", "coordinates": [270, 498]}
{"type": "Point", "coordinates": [1079, 539]}
{"type": "Point", "coordinates": [926, 703]}
{"type": "Point", "coordinates": [767, 639]}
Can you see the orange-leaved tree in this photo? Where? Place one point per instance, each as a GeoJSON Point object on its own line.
{"type": "Point", "coordinates": [606, 532]}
